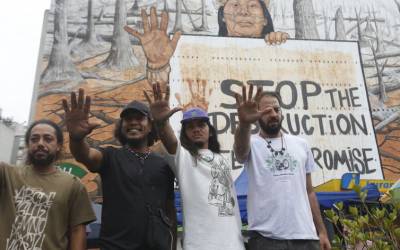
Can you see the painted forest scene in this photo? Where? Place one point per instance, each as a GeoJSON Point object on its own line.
{"type": "Point", "coordinates": [85, 46]}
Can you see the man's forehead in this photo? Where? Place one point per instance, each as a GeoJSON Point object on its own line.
{"type": "Point", "coordinates": [196, 122]}
{"type": "Point", "coordinates": [43, 129]}
{"type": "Point", "coordinates": [270, 100]}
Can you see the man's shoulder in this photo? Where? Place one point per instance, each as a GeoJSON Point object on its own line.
{"type": "Point", "coordinates": [295, 139]}
{"type": "Point", "coordinates": [67, 178]}
{"type": "Point", "coordinates": [5, 167]}
{"type": "Point", "coordinates": [255, 137]}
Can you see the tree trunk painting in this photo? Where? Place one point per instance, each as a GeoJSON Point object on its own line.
{"type": "Point", "coordinates": [380, 45]}
{"type": "Point", "coordinates": [90, 45]}
{"type": "Point", "coordinates": [60, 66]}
{"type": "Point", "coordinates": [326, 26]}
{"type": "Point", "coordinates": [204, 24]}
{"type": "Point", "coordinates": [340, 29]}
{"type": "Point", "coordinates": [178, 16]}
{"type": "Point", "coordinates": [121, 55]}
{"type": "Point", "coordinates": [304, 20]}
{"type": "Point", "coordinates": [135, 8]}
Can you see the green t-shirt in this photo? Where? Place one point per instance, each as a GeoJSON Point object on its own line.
{"type": "Point", "coordinates": [37, 210]}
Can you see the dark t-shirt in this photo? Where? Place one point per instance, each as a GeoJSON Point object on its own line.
{"type": "Point", "coordinates": [129, 189]}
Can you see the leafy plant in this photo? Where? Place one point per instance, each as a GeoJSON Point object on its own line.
{"type": "Point", "coordinates": [365, 226]}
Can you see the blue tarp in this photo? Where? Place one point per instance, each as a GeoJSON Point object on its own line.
{"type": "Point", "coordinates": [326, 201]}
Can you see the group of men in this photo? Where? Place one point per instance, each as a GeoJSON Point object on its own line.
{"type": "Point", "coordinates": [48, 209]}
{"type": "Point", "coordinates": [43, 208]}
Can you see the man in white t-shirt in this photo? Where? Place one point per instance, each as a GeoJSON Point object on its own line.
{"type": "Point", "coordinates": [283, 211]}
{"type": "Point", "coordinates": [211, 217]}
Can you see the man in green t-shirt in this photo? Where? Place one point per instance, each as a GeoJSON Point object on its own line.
{"type": "Point", "coordinates": [42, 207]}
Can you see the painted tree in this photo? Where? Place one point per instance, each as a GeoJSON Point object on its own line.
{"type": "Point", "coordinates": [204, 23]}
{"type": "Point", "coordinates": [121, 56]}
{"type": "Point", "coordinates": [178, 16]}
{"type": "Point", "coordinates": [397, 3]}
{"type": "Point", "coordinates": [135, 8]}
{"type": "Point", "coordinates": [380, 45]}
{"type": "Point", "coordinates": [90, 45]}
{"type": "Point", "coordinates": [60, 66]}
{"type": "Point", "coordinates": [340, 29]}
{"type": "Point", "coordinates": [326, 25]}
{"type": "Point", "coordinates": [305, 20]}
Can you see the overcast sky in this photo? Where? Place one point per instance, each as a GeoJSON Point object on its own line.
{"type": "Point", "coordinates": [20, 27]}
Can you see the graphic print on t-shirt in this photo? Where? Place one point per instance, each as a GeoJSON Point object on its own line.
{"type": "Point", "coordinates": [220, 194]}
{"type": "Point", "coordinates": [32, 207]}
{"type": "Point", "coordinates": [281, 164]}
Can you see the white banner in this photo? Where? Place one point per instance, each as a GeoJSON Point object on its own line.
{"type": "Point", "coordinates": [321, 84]}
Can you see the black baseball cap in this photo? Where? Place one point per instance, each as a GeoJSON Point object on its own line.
{"type": "Point", "coordinates": [136, 106]}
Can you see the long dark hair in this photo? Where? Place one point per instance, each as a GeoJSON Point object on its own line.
{"type": "Point", "coordinates": [213, 143]}
{"type": "Point", "coordinates": [58, 133]}
{"type": "Point", "coordinates": [223, 31]}
{"type": "Point", "coordinates": [152, 137]}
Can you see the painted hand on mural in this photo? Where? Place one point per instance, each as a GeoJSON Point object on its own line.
{"type": "Point", "coordinates": [159, 108]}
{"type": "Point", "coordinates": [199, 95]}
{"type": "Point", "coordinates": [77, 117]}
{"type": "Point", "coordinates": [276, 37]}
{"type": "Point", "coordinates": [157, 46]}
{"type": "Point", "coordinates": [247, 105]}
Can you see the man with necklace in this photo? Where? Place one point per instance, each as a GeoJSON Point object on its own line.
{"type": "Point", "coordinates": [283, 211]}
{"type": "Point", "coordinates": [138, 186]}
{"type": "Point", "coordinates": [211, 218]}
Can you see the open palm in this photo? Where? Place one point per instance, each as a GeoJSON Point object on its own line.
{"type": "Point", "coordinates": [247, 106]}
{"type": "Point", "coordinates": [159, 107]}
{"type": "Point", "coordinates": [77, 117]}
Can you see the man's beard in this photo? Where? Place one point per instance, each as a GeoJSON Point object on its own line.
{"type": "Point", "coordinates": [270, 130]}
{"type": "Point", "coordinates": [43, 162]}
{"type": "Point", "coordinates": [199, 144]}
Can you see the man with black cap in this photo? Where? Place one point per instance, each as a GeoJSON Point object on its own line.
{"type": "Point", "coordinates": [138, 197]}
{"type": "Point", "coordinates": [211, 218]}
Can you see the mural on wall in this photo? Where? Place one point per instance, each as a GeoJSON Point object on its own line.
{"type": "Point", "coordinates": [85, 46]}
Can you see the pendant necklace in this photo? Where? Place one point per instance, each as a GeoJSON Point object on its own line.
{"type": "Point", "coordinates": [141, 156]}
{"type": "Point", "coordinates": [273, 151]}
{"type": "Point", "coordinates": [207, 158]}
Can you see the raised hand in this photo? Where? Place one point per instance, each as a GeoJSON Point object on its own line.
{"type": "Point", "coordinates": [159, 108]}
{"type": "Point", "coordinates": [156, 44]}
{"type": "Point", "coordinates": [77, 118]}
{"type": "Point", "coordinates": [248, 107]}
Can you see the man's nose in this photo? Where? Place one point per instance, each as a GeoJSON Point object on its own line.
{"type": "Point", "coordinates": [41, 142]}
{"type": "Point", "coordinates": [196, 129]}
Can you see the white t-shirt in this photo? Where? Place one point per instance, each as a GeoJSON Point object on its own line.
{"type": "Point", "coordinates": [211, 218]}
{"type": "Point", "coordinates": [277, 202]}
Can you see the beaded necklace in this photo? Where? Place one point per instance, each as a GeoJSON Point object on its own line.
{"type": "Point", "coordinates": [141, 156]}
{"type": "Point", "coordinates": [273, 151]}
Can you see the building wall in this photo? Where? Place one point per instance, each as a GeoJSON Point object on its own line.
{"type": "Point", "coordinates": [7, 135]}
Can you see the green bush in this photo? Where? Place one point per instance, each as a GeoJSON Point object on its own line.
{"type": "Point", "coordinates": [365, 226]}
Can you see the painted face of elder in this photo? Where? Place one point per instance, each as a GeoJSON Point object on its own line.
{"type": "Point", "coordinates": [244, 18]}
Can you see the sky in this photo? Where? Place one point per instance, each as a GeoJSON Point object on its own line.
{"type": "Point", "coordinates": [21, 28]}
